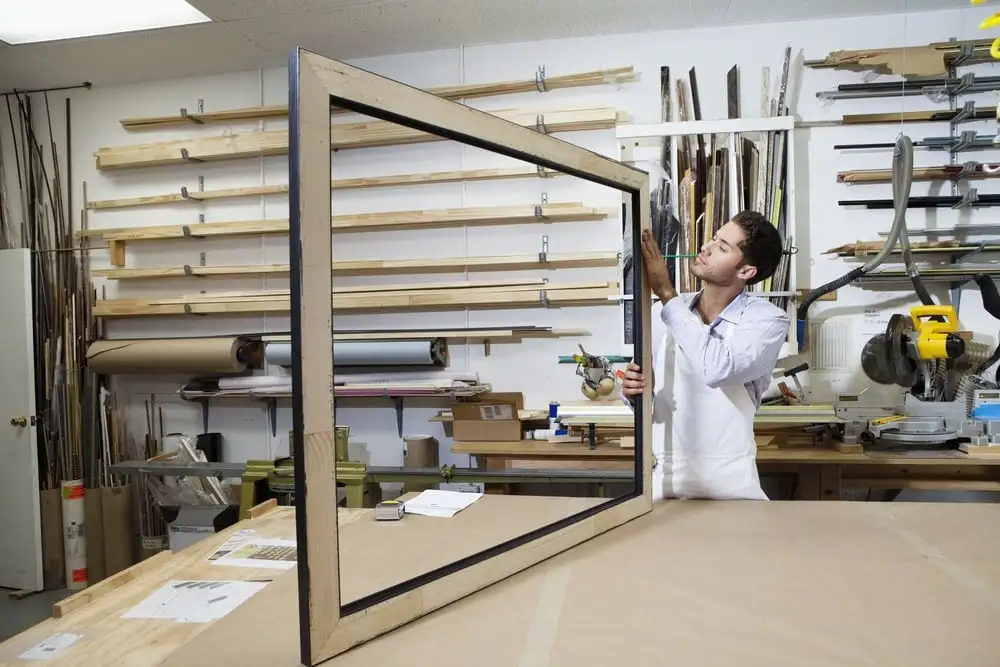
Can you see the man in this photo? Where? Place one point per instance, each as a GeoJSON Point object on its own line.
{"type": "Point", "coordinates": [713, 355]}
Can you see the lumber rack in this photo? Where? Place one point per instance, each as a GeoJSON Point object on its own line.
{"type": "Point", "coordinates": [271, 398]}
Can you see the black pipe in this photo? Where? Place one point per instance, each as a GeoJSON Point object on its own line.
{"type": "Point", "coordinates": [85, 84]}
{"type": "Point", "coordinates": [922, 202]}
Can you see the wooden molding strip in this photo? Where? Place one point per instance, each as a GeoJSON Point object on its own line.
{"type": "Point", "coordinates": [863, 248]}
{"type": "Point", "coordinates": [616, 76]}
{"type": "Point", "coordinates": [945, 172]}
{"type": "Point", "coordinates": [979, 113]}
{"type": "Point", "coordinates": [342, 136]}
{"type": "Point", "coordinates": [378, 266]}
{"type": "Point", "coordinates": [546, 295]}
{"type": "Point", "coordinates": [194, 197]}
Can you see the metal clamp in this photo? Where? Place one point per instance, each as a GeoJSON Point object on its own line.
{"type": "Point", "coordinates": [967, 111]}
{"type": "Point", "coordinates": [540, 124]}
{"type": "Point", "coordinates": [543, 256]}
{"type": "Point", "coordinates": [193, 119]}
{"type": "Point", "coordinates": [543, 298]}
{"type": "Point", "coordinates": [966, 53]}
{"type": "Point", "coordinates": [963, 141]}
{"type": "Point", "coordinates": [539, 212]}
{"type": "Point", "coordinates": [970, 198]}
{"type": "Point", "coordinates": [186, 156]}
{"type": "Point", "coordinates": [186, 231]}
{"type": "Point", "coordinates": [968, 169]}
{"type": "Point", "coordinates": [542, 173]}
{"type": "Point", "coordinates": [540, 79]}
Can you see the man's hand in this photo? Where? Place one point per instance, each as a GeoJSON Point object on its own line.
{"type": "Point", "coordinates": [656, 269]}
{"type": "Point", "coordinates": [635, 382]}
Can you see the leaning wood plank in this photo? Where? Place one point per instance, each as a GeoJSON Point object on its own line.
{"type": "Point", "coordinates": [552, 295]}
{"type": "Point", "coordinates": [559, 212]}
{"type": "Point", "coordinates": [112, 583]}
{"type": "Point", "coordinates": [616, 76]}
{"type": "Point", "coordinates": [188, 196]}
{"type": "Point", "coordinates": [342, 136]}
{"type": "Point", "coordinates": [379, 266]}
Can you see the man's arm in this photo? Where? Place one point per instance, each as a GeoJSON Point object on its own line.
{"type": "Point", "coordinates": [749, 352]}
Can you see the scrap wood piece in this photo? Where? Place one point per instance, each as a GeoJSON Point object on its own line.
{"type": "Point", "coordinates": [186, 196]}
{"type": "Point", "coordinates": [378, 266]}
{"type": "Point", "coordinates": [614, 76]}
{"type": "Point", "coordinates": [548, 295]}
{"type": "Point", "coordinates": [928, 60]}
{"type": "Point", "coordinates": [342, 136]}
{"type": "Point", "coordinates": [557, 212]}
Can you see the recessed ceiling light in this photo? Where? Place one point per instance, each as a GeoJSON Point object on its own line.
{"type": "Point", "coordinates": [26, 21]}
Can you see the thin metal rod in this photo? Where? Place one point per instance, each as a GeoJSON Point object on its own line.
{"type": "Point", "coordinates": [85, 84]}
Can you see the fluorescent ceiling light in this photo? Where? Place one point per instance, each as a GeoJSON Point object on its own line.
{"type": "Point", "coordinates": [26, 21]}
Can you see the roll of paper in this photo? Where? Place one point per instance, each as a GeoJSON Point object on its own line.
{"type": "Point", "coordinates": [174, 356]}
{"type": "Point", "coordinates": [370, 353]}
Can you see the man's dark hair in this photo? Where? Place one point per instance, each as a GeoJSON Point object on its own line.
{"type": "Point", "coordinates": [762, 247]}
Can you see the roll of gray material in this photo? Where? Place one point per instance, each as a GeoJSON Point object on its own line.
{"type": "Point", "coordinates": [371, 353]}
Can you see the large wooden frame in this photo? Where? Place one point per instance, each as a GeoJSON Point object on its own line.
{"type": "Point", "coordinates": [328, 628]}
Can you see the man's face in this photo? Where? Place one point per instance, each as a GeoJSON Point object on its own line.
{"type": "Point", "coordinates": [720, 261]}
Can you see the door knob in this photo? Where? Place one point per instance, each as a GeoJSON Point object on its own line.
{"type": "Point", "coordinates": [19, 421]}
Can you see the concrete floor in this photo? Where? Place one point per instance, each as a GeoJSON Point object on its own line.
{"type": "Point", "coordinates": [19, 615]}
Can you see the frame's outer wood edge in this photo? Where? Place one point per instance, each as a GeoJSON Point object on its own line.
{"type": "Point", "coordinates": [313, 413]}
{"type": "Point", "coordinates": [348, 82]}
{"type": "Point", "coordinates": [643, 311]}
{"type": "Point", "coordinates": [324, 633]}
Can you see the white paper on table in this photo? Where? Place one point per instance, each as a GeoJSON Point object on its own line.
{"type": "Point", "coordinates": [446, 504]}
{"type": "Point", "coordinates": [238, 539]}
{"type": "Point", "coordinates": [272, 553]}
{"type": "Point", "coordinates": [195, 601]}
{"type": "Point", "coordinates": [50, 647]}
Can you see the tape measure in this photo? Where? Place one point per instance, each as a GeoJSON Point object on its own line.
{"type": "Point", "coordinates": [389, 510]}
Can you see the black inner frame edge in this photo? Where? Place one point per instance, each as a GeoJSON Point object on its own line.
{"type": "Point", "coordinates": [295, 239]}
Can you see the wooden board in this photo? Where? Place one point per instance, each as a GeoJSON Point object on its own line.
{"type": "Point", "coordinates": [363, 267]}
{"type": "Point", "coordinates": [327, 627]}
{"type": "Point", "coordinates": [616, 76]}
{"type": "Point", "coordinates": [392, 180]}
{"type": "Point", "coordinates": [342, 136]}
{"type": "Point", "coordinates": [548, 295]}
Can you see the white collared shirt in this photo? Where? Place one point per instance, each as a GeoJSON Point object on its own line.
{"type": "Point", "coordinates": [741, 346]}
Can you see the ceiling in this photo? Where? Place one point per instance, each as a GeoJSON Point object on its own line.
{"type": "Point", "coordinates": [251, 34]}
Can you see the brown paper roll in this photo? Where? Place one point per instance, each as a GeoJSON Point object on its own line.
{"type": "Point", "coordinates": [202, 356]}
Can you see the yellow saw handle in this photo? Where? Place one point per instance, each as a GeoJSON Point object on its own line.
{"type": "Point", "coordinates": [935, 340]}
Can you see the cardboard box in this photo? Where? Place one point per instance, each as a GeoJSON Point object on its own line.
{"type": "Point", "coordinates": [53, 558]}
{"type": "Point", "coordinates": [489, 418]}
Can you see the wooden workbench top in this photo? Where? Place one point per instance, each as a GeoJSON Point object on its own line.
{"type": "Point", "coordinates": [695, 583]}
{"type": "Point", "coordinates": [374, 555]}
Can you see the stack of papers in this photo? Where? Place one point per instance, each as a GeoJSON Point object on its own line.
{"type": "Point", "coordinates": [437, 503]}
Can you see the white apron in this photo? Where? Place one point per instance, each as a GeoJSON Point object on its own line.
{"type": "Point", "coordinates": [703, 441]}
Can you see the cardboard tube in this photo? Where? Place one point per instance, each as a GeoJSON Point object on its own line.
{"type": "Point", "coordinates": [203, 356]}
{"type": "Point", "coordinates": [74, 534]}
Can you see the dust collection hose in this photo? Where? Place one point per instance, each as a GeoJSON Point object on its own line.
{"type": "Point", "coordinates": [902, 179]}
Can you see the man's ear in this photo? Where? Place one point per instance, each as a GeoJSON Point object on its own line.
{"type": "Point", "coordinates": [747, 272]}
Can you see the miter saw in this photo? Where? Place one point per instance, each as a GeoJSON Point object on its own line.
{"type": "Point", "coordinates": [925, 353]}
{"type": "Point", "coordinates": [597, 373]}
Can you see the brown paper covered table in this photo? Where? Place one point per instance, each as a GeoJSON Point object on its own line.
{"type": "Point", "coordinates": [695, 583]}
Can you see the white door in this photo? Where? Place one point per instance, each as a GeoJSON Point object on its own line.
{"type": "Point", "coordinates": [20, 522]}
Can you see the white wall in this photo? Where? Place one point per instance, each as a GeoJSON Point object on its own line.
{"type": "Point", "coordinates": [529, 366]}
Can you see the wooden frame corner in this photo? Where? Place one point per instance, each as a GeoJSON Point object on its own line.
{"type": "Point", "coordinates": [327, 627]}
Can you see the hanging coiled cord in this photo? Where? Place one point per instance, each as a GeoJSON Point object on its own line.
{"type": "Point", "coordinates": [902, 179]}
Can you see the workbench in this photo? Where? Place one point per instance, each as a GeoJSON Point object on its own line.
{"type": "Point", "coordinates": [818, 473]}
{"type": "Point", "coordinates": [696, 583]}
